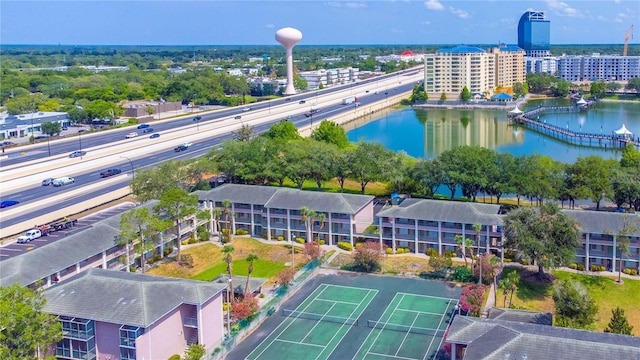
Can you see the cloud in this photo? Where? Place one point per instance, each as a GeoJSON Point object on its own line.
{"type": "Point", "coordinates": [347, 4]}
{"type": "Point", "coordinates": [459, 13]}
{"type": "Point", "coordinates": [433, 5]}
{"type": "Point", "coordinates": [563, 9]}
{"type": "Point", "coordinates": [269, 26]}
{"type": "Point", "coordinates": [427, 22]}
{"type": "Point", "coordinates": [616, 1]}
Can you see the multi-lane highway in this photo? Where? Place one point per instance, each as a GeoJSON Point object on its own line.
{"type": "Point", "coordinates": [22, 174]}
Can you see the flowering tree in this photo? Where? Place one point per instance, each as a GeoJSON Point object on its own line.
{"type": "Point", "coordinates": [367, 257]}
{"type": "Point", "coordinates": [286, 276]}
{"type": "Point", "coordinates": [312, 250]}
{"type": "Point", "coordinates": [486, 268]}
{"type": "Point", "coordinates": [472, 299]}
{"type": "Point", "coordinates": [245, 308]}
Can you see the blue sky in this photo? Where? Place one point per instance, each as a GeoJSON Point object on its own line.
{"type": "Point", "coordinates": [237, 22]}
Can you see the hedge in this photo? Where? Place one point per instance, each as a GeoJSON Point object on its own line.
{"type": "Point", "coordinates": [345, 246]}
{"type": "Point", "coordinates": [300, 240]}
{"type": "Point", "coordinates": [432, 252]}
{"type": "Point", "coordinates": [630, 271]}
{"type": "Point", "coordinates": [242, 232]}
{"type": "Point", "coordinates": [595, 267]}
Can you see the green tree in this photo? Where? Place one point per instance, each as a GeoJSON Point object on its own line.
{"type": "Point", "coordinates": [465, 244]}
{"type": "Point", "coordinates": [226, 205]}
{"type": "Point", "coordinates": [137, 226]}
{"type": "Point", "coordinates": [509, 283]}
{"type": "Point", "coordinates": [443, 96]}
{"type": "Point", "coordinates": [369, 161]}
{"type": "Point", "coordinates": [613, 86]}
{"type": "Point", "coordinates": [331, 133]}
{"type": "Point", "coordinates": [574, 307]}
{"type": "Point", "coordinates": [194, 352]}
{"type": "Point", "coordinates": [634, 84]}
{"type": "Point", "coordinates": [283, 131]}
{"type": "Point", "coordinates": [548, 237]}
{"type": "Point", "coordinates": [51, 128]}
{"type": "Point", "coordinates": [366, 258]}
{"type": "Point", "coordinates": [228, 250]}
{"type": "Point", "coordinates": [629, 227]}
{"type": "Point", "coordinates": [177, 204]}
{"type": "Point", "coordinates": [619, 323]}
{"type": "Point", "coordinates": [591, 176]}
{"type": "Point", "coordinates": [307, 217]}
{"type": "Point", "coordinates": [244, 133]}
{"type": "Point", "coordinates": [300, 83]}
{"type": "Point", "coordinates": [429, 175]}
{"type": "Point", "coordinates": [440, 264]}
{"type": "Point", "coordinates": [151, 183]}
{"type": "Point", "coordinates": [465, 95]}
{"type": "Point", "coordinates": [25, 329]}
{"type": "Point", "coordinates": [251, 258]}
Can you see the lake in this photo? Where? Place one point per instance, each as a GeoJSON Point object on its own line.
{"type": "Point", "coordinates": [427, 133]}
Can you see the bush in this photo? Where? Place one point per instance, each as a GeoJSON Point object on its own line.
{"type": "Point", "coordinates": [203, 233]}
{"type": "Point", "coordinates": [573, 266]}
{"type": "Point", "coordinates": [345, 246]}
{"type": "Point", "coordinates": [261, 296]}
{"type": "Point", "coordinates": [432, 252]}
{"type": "Point", "coordinates": [186, 260]}
{"type": "Point", "coordinates": [167, 251]}
{"type": "Point", "coordinates": [524, 261]}
{"type": "Point", "coordinates": [280, 238]}
{"type": "Point", "coordinates": [389, 251]}
{"type": "Point", "coordinates": [184, 242]}
{"type": "Point", "coordinates": [154, 258]}
{"type": "Point", "coordinates": [461, 274]}
{"type": "Point", "coordinates": [263, 234]}
{"type": "Point", "coordinates": [242, 232]}
{"type": "Point", "coordinates": [403, 250]}
{"type": "Point", "coordinates": [300, 240]}
{"type": "Point", "coordinates": [319, 241]}
{"type": "Point", "coordinates": [192, 240]}
{"type": "Point", "coordinates": [596, 267]}
{"type": "Point", "coordinates": [450, 254]}
{"type": "Point", "coordinates": [175, 357]}
{"type": "Point", "coordinates": [580, 266]}
{"type": "Point", "coordinates": [630, 271]}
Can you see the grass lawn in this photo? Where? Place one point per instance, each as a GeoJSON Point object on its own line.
{"type": "Point", "coordinates": [350, 187]}
{"type": "Point", "coordinates": [608, 294]}
{"type": "Point", "coordinates": [261, 269]}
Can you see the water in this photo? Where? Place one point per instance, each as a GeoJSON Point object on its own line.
{"type": "Point", "coordinates": [427, 133]}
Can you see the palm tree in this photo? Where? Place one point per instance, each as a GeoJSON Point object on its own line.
{"type": "Point", "coordinates": [307, 216]}
{"type": "Point", "coordinates": [216, 213]}
{"type": "Point", "coordinates": [321, 218]}
{"type": "Point", "coordinates": [227, 233]}
{"type": "Point", "coordinates": [228, 250]}
{"type": "Point", "coordinates": [477, 228]}
{"type": "Point", "coordinates": [464, 245]}
{"type": "Point", "coordinates": [250, 259]}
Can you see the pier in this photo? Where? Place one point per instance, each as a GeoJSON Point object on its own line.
{"type": "Point", "coordinates": [529, 120]}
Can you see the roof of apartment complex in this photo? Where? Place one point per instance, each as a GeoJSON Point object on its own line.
{"type": "Point", "coordinates": [441, 210]}
{"type": "Point", "coordinates": [461, 49]}
{"type": "Point", "coordinates": [498, 339]}
{"type": "Point", "coordinates": [523, 316]}
{"type": "Point", "coordinates": [287, 198]}
{"type": "Point", "coordinates": [603, 222]}
{"type": "Point", "coordinates": [125, 298]}
{"type": "Point", "coordinates": [80, 245]}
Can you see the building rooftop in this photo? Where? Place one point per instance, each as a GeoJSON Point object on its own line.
{"type": "Point", "coordinates": [493, 339]}
{"type": "Point", "coordinates": [121, 297]}
{"type": "Point", "coordinates": [461, 49]}
{"type": "Point", "coordinates": [442, 210]}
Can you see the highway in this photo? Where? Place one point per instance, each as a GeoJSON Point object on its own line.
{"type": "Point", "coordinates": [22, 174]}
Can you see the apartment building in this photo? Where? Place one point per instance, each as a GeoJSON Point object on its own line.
{"type": "Point", "coordinates": [510, 65]}
{"type": "Point", "coordinates": [328, 77]}
{"type": "Point", "coordinates": [450, 70]}
{"type": "Point", "coordinates": [539, 65]}
{"type": "Point", "coordinates": [598, 67]}
{"type": "Point", "coordinates": [127, 316]}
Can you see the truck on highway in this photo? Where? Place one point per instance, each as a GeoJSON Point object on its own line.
{"type": "Point", "coordinates": [349, 100]}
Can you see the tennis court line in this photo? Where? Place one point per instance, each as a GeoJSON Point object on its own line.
{"type": "Point", "coordinates": [421, 312]}
{"type": "Point", "coordinates": [339, 302]}
{"type": "Point", "coordinates": [380, 332]}
{"type": "Point", "coordinates": [407, 334]}
{"type": "Point", "coordinates": [295, 342]}
{"type": "Point", "coordinates": [428, 296]}
{"type": "Point", "coordinates": [442, 339]}
{"type": "Point", "coordinates": [390, 356]}
{"type": "Point", "coordinates": [438, 328]}
{"type": "Point", "coordinates": [323, 286]}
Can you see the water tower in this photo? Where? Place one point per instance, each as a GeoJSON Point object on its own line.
{"type": "Point", "coordinates": [289, 37]}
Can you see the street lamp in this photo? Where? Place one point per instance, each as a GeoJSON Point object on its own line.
{"type": "Point", "coordinates": [293, 256]}
{"type": "Point", "coordinates": [133, 174]}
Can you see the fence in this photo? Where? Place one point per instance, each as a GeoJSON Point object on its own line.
{"type": "Point", "coordinates": [245, 327]}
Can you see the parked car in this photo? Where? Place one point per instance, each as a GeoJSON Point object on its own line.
{"type": "Point", "coordinates": [65, 180]}
{"type": "Point", "coordinates": [7, 203]}
{"type": "Point", "coordinates": [110, 172]}
{"type": "Point", "coordinates": [29, 236]}
{"type": "Point", "coordinates": [76, 154]}
{"type": "Point", "coordinates": [47, 181]}
{"type": "Point", "coordinates": [65, 128]}
{"type": "Point", "coordinates": [143, 126]}
{"type": "Point", "coordinates": [147, 130]}
{"type": "Point", "coordinates": [131, 135]}
{"type": "Point", "coordinates": [6, 143]}
{"type": "Point", "coordinates": [82, 130]}
{"type": "Point", "coordinates": [153, 136]}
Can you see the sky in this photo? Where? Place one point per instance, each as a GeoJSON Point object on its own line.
{"type": "Point", "coordinates": [238, 22]}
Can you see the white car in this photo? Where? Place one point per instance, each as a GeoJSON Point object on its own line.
{"type": "Point", "coordinates": [187, 144]}
{"type": "Point", "coordinates": [131, 135]}
{"type": "Point", "coordinates": [29, 235]}
{"type": "Point", "coordinates": [246, 109]}
{"type": "Point", "coordinates": [65, 180]}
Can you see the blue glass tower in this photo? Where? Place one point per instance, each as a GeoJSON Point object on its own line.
{"type": "Point", "coordinates": [534, 33]}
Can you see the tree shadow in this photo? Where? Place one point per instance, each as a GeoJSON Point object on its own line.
{"type": "Point", "coordinates": [532, 287]}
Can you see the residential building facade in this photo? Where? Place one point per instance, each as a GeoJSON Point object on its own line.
{"type": "Point", "coordinates": [128, 316]}
{"type": "Point", "coordinates": [540, 65]}
{"type": "Point", "coordinates": [598, 67]}
{"type": "Point", "coordinates": [450, 70]}
{"type": "Point", "coordinates": [329, 77]}
{"type": "Point", "coordinates": [510, 65]}
{"type": "Point", "coordinates": [534, 33]}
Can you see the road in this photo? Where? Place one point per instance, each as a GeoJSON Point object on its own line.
{"type": "Point", "coordinates": [22, 174]}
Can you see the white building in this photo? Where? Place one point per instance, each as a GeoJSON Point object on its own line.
{"type": "Point", "coordinates": [12, 126]}
{"type": "Point", "coordinates": [598, 67]}
{"type": "Point", "coordinates": [450, 70]}
{"type": "Point", "coordinates": [539, 65]}
{"type": "Point", "coordinates": [328, 77]}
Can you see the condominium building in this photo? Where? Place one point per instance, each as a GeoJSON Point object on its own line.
{"type": "Point", "coordinates": [328, 77]}
{"type": "Point", "coordinates": [540, 65]}
{"type": "Point", "coordinates": [534, 33]}
{"type": "Point", "coordinates": [450, 70]}
{"type": "Point", "coordinates": [510, 65]}
{"type": "Point", "coordinates": [598, 67]}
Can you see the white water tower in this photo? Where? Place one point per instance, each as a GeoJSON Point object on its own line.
{"type": "Point", "coordinates": [289, 37]}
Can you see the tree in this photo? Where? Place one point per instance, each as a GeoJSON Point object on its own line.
{"type": "Point", "coordinates": [25, 330]}
{"type": "Point", "coordinates": [227, 250]}
{"type": "Point", "coordinates": [443, 97]}
{"type": "Point", "coordinates": [368, 162]}
{"type": "Point", "coordinates": [619, 323]}
{"type": "Point", "coordinates": [623, 241]}
{"type": "Point", "coordinates": [465, 95]}
{"type": "Point", "coordinates": [151, 183]}
{"type": "Point", "coordinates": [312, 251]}
{"type": "Point", "coordinates": [367, 257]}
{"type": "Point", "coordinates": [574, 307]}
{"type": "Point", "coordinates": [307, 216]}
{"type": "Point", "coordinates": [510, 284]}
{"type": "Point", "coordinates": [51, 128]}
{"type": "Point", "coordinates": [464, 245]}
{"type": "Point", "coordinates": [429, 175]}
{"type": "Point", "coordinates": [484, 270]}
{"type": "Point", "coordinates": [286, 276]}
{"type": "Point", "coordinates": [136, 227]}
{"type": "Point", "coordinates": [226, 233]}
{"type": "Point", "coordinates": [245, 133]}
{"type": "Point", "coordinates": [194, 352]}
{"type": "Point", "coordinates": [177, 204]}
{"type": "Point", "coordinates": [331, 133]}
{"type": "Point", "coordinates": [477, 228]}
{"type": "Point", "coordinates": [440, 264]}
{"type": "Point", "coordinates": [283, 131]}
{"type": "Point", "coordinates": [591, 176]}
{"type": "Point", "coordinates": [251, 258]}
{"type": "Point", "coordinates": [245, 308]}
{"type": "Point", "coordinates": [472, 298]}
{"type": "Point", "coordinates": [548, 237]}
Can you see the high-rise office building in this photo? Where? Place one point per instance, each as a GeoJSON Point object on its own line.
{"type": "Point", "coordinates": [534, 34]}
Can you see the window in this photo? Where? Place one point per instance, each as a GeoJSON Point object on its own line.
{"type": "Point", "coordinates": [127, 354]}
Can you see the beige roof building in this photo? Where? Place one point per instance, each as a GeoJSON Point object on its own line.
{"type": "Point", "coordinates": [510, 65]}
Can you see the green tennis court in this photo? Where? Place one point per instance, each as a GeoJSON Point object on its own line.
{"type": "Point", "coordinates": [315, 328]}
{"type": "Point", "coordinates": [411, 327]}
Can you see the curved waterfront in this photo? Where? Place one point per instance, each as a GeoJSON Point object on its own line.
{"type": "Point", "coordinates": [428, 132]}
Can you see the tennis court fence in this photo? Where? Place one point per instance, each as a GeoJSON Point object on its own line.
{"type": "Point", "coordinates": [404, 328]}
{"type": "Point", "coordinates": [320, 317]}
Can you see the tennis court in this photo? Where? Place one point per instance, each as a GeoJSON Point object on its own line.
{"type": "Point", "coordinates": [412, 327]}
{"type": "Point", "coordinates": [317, 326]}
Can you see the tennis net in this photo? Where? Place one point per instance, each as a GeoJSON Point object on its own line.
{"type": "Point", "coordinates": [320, 317]}
{"type": "Point", "coordinates": [404, 328]}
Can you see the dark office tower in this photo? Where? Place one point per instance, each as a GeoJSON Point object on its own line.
{"type": "Point", "coordinates": [534, 34]}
